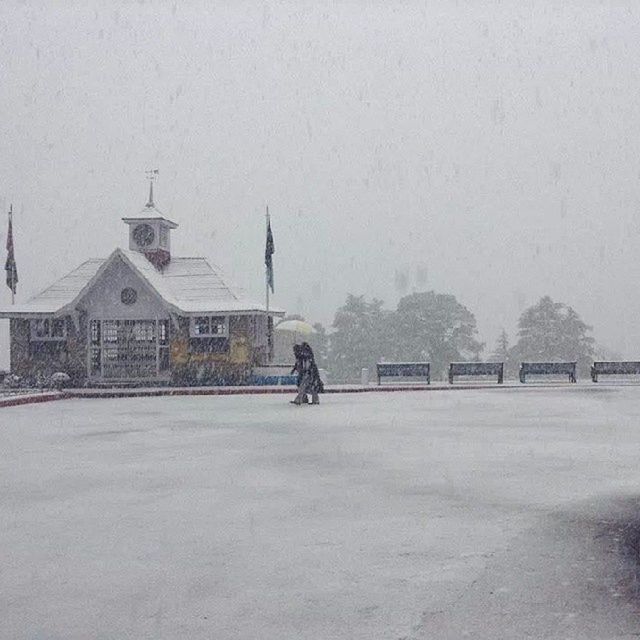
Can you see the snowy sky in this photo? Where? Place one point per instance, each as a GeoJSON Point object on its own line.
{"type": "Point", "coordinates": [486, 149]}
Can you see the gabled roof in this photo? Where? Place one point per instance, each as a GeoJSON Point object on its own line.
{"type": "Point", "coordinates": [187, 286]}
{"type": "Point", "coordinates": [60, 293]}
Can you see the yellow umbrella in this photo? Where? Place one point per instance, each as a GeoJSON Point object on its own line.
{"type": "Point", "coordinates": [296, 326]}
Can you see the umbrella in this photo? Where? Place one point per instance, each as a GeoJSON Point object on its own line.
{"type": "Point", "coordinates": [59, 379]}
{"type": "Point", "coordinates": [297, 326]}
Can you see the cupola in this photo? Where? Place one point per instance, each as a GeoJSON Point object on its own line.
{"type": "Point", "coordinates": [149, 233]}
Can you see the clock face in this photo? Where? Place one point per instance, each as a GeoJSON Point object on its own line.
{"type": "Point", "coordinates": [144, 235]}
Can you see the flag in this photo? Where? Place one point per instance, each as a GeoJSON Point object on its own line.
{"type": "Point", "coordinates": [269, 250]}
{"type": "Point", "coordinates": [10, 265]}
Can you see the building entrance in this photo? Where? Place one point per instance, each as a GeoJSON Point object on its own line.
{"type": "Point", "coordinates": [129, 349]}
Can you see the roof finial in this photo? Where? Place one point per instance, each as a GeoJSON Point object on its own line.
{"type": "Point", "coordinates": [151, 176]}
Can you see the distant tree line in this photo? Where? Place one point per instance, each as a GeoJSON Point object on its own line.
{"type": "Point", "coordinates": [436, 328]}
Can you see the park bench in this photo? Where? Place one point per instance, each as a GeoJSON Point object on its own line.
{"type": "Point", "coordinates": [547, 368]}
{"type": "Point", "coordinates": [404, 369]}
{"type": "Point", "coordinates": [614, 368]}
{"type": "Point", "coordinates": [273, 374]}
{"type": "Point", "coordinates": [476, 369]}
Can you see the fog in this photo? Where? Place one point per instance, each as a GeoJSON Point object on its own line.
{"type": "Point", "coordinates": [484, 149]}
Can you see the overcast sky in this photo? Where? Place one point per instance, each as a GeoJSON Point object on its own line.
{"type": "Point", "coordinates": [484, 149]}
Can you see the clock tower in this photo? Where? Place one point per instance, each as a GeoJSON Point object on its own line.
{"type": "Point", "coordinates": [149, 233]}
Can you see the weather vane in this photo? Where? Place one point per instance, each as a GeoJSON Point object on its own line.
{"type": "Point", "coordinates": [151, 176]}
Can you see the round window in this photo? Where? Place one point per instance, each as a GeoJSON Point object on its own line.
{"type": "Point", "coordinates": [128, 295]}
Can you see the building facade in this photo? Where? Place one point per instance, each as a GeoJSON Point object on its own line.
{"type": "Point", "coordinates": [141, 316]}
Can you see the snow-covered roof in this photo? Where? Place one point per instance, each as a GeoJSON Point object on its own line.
{"type": "Point", "coordinates": [60, 293]}
{"type": "Point", "coordinates": [186, 285]}
{"type": "Point", "coordinates": [151, 212]}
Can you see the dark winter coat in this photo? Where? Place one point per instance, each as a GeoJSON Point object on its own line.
{"type": "Point", "coordinates": [309, 367]}
{"type": "Point", "coordinates": [299, 364]}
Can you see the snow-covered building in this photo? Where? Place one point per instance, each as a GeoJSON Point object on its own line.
{"type": "Point", "coordinates": [139, 316]}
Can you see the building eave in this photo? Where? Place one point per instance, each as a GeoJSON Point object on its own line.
{"type": "Point", "coordinates": [231, 312]}
{"type": "Point", "coordinates": [64, 311]}
{"type": "Point", "coordinates": [142, 218]}
{"type": "Point", "coordinates": [8, 315]}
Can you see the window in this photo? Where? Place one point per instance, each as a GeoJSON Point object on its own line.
{"type": "Point", "coordinates": [128, 296]}
{"type": "Point", "coordinates": [50, 350]}
{"type": "Point", "coordinates": [40, 329]}
{"type": "Point", "coordinates": [164, 358]}
{"type": "Point", "coordinates": [200, 326]}
{"type": "Point", "coordinates": [209, 327]}
{"type": "Point", "coordinates": [110, 331]}
{"type": "Point", "coordinates": [163, 333]}
{"type": "Point", "coordinates": [48, 329]}
{"type": "Point", "coordinates": [143, 330]}
{"type": "Point", "coordinates": [95, 361]}
{"type": "Point", "coordinates": [95, 332]}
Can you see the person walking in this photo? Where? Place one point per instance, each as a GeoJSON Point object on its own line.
{"type": "Point", "coordinates": [301, 398]}
{"type": "Point", "coordinates": [310, 382]}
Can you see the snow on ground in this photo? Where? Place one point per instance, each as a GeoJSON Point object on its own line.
{"type": "Point", "coordinates": [482, 514]}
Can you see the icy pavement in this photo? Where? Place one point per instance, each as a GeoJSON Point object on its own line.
{"type": "Point", "coordinates": [480, 514]}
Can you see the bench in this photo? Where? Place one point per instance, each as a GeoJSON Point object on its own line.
{"type": "Point", "coordinates": [404, 369]}
{"type": "Point", "coordinates": [259, 381]}
{"type": "Point", "coordinates": [273, 374]}
{"type": "Point", "coordinates": [547, 368]}
{"type": "Point", "coordinates": [476, 369]}
{"type": "Point", "coordinates": [614, 368]}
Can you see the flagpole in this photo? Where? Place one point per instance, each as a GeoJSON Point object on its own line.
{"type": "Point", "coordinates": [13, 271]}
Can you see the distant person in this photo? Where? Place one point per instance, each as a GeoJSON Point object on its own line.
{"type": "Point", "coordinates": [315, 386]}
{"type": "Point", "coordinates": [310, 382]}
{"type": "Point", "coordinates": [298, 369]}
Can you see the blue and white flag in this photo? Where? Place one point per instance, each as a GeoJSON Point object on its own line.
{"type": "Point", "coordinates": [269, 250]}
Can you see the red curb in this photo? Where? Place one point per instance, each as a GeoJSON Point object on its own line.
{"type": "Point", "coordinates": [19, 400]}
{"type": "Point", "coordinates": [235, 391]}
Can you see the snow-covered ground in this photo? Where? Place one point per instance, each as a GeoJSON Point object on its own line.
{"type": "Point", "coordinates": [481, 514]}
